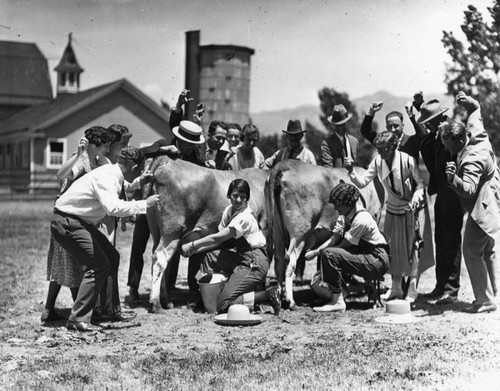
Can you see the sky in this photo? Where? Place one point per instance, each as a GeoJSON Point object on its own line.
{"type": "Point", "coordinates": [354, 46]}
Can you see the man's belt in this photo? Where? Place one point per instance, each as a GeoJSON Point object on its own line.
{"type": "Point", "coordinates": [70, 216]}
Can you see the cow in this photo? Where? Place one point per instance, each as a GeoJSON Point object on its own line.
{"type": "Point", "coordinates": [300, 216]}
{"type": "Point", "coordinates": [192, 199]}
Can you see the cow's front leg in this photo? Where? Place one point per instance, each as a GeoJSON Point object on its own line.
{"type": "Point", "coordinates": [161, 257]}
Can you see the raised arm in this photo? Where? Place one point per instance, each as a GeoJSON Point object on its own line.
{"type": "Point", "coordinates": [418, 100]}
{"type": "Point", "coordinates": [367, 130]}
{"type": "Point", "coordinates": [66, 169]}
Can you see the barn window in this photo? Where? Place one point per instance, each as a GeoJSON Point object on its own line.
{"type": "Point", "coordinates": [56, 152]}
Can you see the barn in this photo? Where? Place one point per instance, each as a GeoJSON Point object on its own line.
{"type": "Point", "coordinates": [38, 132]}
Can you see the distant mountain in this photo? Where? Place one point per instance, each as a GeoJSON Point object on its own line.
{"type": "Point", "coordinates": [271, 122]}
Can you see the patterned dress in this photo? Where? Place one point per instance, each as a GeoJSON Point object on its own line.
{"type": "Point", "coordinates": [402, 182]}
{"type": "Point", "coordinates": [61, 268]}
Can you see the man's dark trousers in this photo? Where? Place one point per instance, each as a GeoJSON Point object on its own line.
{"type": "Point", "coordinates": [94, 252]}
{"type": "Point", "coordinates": [140, 239]}
{"type": "Point", "coordinates": [448, 221]}
{"type": "Point", "coordinates": [139, 243]}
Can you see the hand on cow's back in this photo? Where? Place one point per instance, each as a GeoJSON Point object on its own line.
{"type": "Point", "coordinates": [153, 200]}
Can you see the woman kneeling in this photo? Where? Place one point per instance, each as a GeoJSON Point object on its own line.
{"type": "Point", "coordinates": [239, 251]}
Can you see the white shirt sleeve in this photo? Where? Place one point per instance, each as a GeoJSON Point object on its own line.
{"type": "Point", "coordinates": [365, 178]}
{"type": "Point", "coordinates": [106, 192]}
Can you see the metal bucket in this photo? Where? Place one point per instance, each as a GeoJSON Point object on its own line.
{"type": "Point", "coordinates": [211, 287]}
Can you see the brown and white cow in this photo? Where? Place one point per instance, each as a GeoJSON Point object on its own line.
{"type": "Point", "coordinates": [299, 212]}
{"type": "Point", "coordinates": [192, 199]}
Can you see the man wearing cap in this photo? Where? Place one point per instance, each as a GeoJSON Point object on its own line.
{"type": "Point", "coordinates": [448, 214]}
{"type": "Point", "coordinates": [79, 210]}
{"type": "Point", "coordinates": [294, 150]}
{"type": "Point", "coordinates": [340, 145]}
{"type": "Point", "coordinates": [475, 178]}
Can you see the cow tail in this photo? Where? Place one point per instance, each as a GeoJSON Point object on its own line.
{"type": "Point", "coordinates": [272, 193]}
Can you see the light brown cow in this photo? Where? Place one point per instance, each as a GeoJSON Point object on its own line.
{"type": "Point", "coordinates": [299, 212]}
{"type": "Point", "coordinates": [192, 199]}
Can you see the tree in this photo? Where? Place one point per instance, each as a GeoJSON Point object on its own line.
{"type": "Point", "coordinates": [475, 67]}
{"type": "Point", "coordinates": [269, 144]}
{"type": "Point", "coordinates": [328, 98]}
{"type": "Point", "coordinates": [313, 139]}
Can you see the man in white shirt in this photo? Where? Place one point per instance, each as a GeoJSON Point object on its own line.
{"type": "Point", "coordinates": [77, 212]}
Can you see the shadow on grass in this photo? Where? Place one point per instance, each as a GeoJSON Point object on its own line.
{"type": "Point", "coordinates": [439, 309]}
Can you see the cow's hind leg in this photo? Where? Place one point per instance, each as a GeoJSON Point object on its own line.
{"type": "Point", "coordinates": [293, 253]}
{"type": "Point", "coordinates": [161, 258]}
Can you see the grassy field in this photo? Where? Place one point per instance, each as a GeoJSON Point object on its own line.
{"type": "Point", "coordinates": [448, 349]}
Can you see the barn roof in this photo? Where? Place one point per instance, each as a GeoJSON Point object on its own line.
{"type": "Point", "coordinates": [44, 115]}
{"type": "Point", "coordinates": [24, 74]}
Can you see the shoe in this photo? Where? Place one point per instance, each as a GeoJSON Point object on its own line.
{"type": "Point", "coordinates": [81, 326]}
{"type": "Point", "coordinates": [336, 305]}
{"type": "Point", "coordinates": [116, 317]}
{"type": "Point", "coordinates": [275, 299]}
{"type": "Point", "coordinates": [435, 294]}
{"type": "Point", "coordinates": [484, 307]}
{"type": "Point", "coordinates": [51, 316]}
{"type": "Point", "coordinates": [446, 298]}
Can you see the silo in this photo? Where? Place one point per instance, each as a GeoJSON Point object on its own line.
{"type": "Point", "coordinates": [221, 80]}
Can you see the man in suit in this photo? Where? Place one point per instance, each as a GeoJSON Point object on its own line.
{"type": "Point", "coordinates": [394, 123]}
{"type": "Point", "coordinates": [448, 215]}
{"type": "Point", "coordinates": [475, 178]}
{"type": "Point", "coordinates": [340, 145]}
{"type": "Point", "coordinates": [215, 157]}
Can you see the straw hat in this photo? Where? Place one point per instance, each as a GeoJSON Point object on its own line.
{"type": "Point", "coordinates": [238, 315]}
{"type": "Point", "coordinates": [397, 312]}
{"type": "Point", "coordinates": [190, 132]}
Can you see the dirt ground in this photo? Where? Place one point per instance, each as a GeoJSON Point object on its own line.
{"type": "Point", "coordinates": [26, 345]}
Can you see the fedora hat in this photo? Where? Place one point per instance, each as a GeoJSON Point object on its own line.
{"type": "Point", "coordinates": [397, 312]}
{"type": "Point", "coordinates": [294, 127]}
{"type": "Point", "coordinates": [430, 110]}
{"type": "Point", "coordinates": [339, 115]}
{"type": "Point", "coordinates": [238, 315]}
{"type": "Point", "coordinates": [190, 132]}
